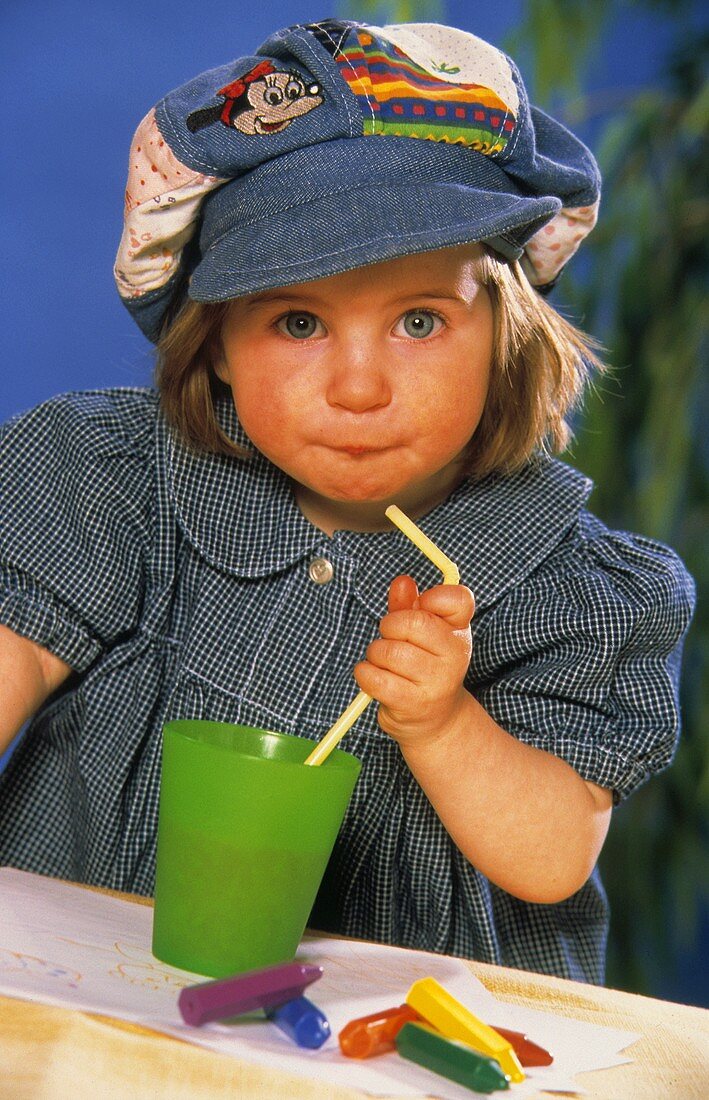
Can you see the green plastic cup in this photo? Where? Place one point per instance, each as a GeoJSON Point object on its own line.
{"type": "Point", "coordinates": [245, 831]}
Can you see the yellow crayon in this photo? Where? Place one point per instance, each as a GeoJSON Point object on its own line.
{"type": "Point", "coordinates": [440, 1008]}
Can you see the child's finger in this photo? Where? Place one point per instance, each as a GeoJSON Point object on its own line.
{"type": "Point", "coordinates": [454, 603]}
{"type": "Point", "coordinates": [446, 608]}
{"type": "Point", "coordinates": [388, 688]}
{"type": "Point", "coordinates": [403, 590]}
{"type": "Point", "coordinates": [425, 631]}
{"type": "Point", "coordinates": [408, 661]}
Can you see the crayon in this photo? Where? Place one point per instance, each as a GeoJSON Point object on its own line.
{"type": "Point", "coordinates": [529, 1053]}
{"type": "Point", "coordinates": [226, 997]}
{"type": "Point", "coordinates": [301, 1021]}
{"type": "Point", "coordinates": [375, 1034]}
{"type": "Point", "coordinates": [440, 1008]}
{"type": "Point", "coordinates": [450, 1059]}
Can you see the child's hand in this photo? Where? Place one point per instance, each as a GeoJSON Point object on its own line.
{"type": "Point", "coordinates": [417, 667]}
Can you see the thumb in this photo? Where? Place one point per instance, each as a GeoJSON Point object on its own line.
{"type": "Point", "coordinates": [452, 602]}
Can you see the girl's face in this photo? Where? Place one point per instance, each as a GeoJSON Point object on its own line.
{"type": "Point", "coordinates": [365, 387]}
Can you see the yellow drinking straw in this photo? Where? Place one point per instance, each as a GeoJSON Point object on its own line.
{"type": "Point", "coordinates": [450, 576]}
{"type": "Point", "coordinates": [407, 526]}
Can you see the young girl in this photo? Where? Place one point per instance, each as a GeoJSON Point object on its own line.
{"type": "Point", "coordinates": [340, 246]}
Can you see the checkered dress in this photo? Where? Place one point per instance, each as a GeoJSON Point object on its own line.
{"type": "Point", "coordinates": [177, 586]}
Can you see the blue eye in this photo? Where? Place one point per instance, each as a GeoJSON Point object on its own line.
{"type": "Point", "coordinates": [299, 325]}
{"type": "Point", "coordinates": [420, 323]}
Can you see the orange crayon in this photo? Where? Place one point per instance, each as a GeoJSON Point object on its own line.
{"type": "Point", "coordinates": [529, 1053]}
{"type": "Point", "coordinates": [375, 1034]}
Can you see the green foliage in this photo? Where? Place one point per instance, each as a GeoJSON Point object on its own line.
{"type": "Point", "coordinates": [554, 44]}
{"type": "Point", "coordinates": [379, 12]}
{"type": "Point", "coordinates": [641, 438]}
{"type": "Point", "coordinates": [644, 443]}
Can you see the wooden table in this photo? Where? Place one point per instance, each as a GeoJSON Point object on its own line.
{"type": "Point", "coordinates": [51, 1053]}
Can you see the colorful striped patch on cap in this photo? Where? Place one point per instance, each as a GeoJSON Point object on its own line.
{"type": "Point", "coordinates": [410, 81]}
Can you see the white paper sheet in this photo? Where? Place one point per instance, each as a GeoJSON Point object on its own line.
{"type": "Point", "coordinates": [62, 945]}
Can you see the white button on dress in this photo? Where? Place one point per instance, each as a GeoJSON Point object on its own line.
{"type": "Point", "coordinates": [320, 571]}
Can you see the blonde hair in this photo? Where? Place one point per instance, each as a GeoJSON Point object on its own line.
{"type": "Point", "coordinates": [540, 367]}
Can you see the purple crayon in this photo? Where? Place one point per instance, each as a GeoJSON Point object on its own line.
{"type": "Point", "coordinates": [266, 988]}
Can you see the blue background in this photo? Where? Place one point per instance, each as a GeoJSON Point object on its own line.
{"type": "Point", "coordinates": [76, 78]}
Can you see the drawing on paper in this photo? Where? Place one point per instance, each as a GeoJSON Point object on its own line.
{"type": "Point", "coordinates": [142, 968]}
{"type": "Point", "coordinates": [135, 964]}
{"type": "Point", "coordinates": [351, 963]}
{"type": "Point", "coordinates": [15, 962]}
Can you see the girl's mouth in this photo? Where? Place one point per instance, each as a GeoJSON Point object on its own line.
{"type": "Point", "coordinates": [357, 449]}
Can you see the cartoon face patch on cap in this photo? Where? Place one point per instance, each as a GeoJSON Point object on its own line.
{"type": "Point", "coordinates": [426, 81]}
{"type": "Point", "coordinates": [263, 101]}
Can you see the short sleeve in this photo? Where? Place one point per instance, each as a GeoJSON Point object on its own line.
{"type": "Point", "coordinates": [583, 659]}
{"type": "Point", "coordinates": [75, 520]}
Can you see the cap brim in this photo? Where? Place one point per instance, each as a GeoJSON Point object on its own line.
{"type": "Point", "coordinates": [277, 230]}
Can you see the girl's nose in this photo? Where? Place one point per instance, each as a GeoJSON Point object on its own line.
{"type": "Point", "coordinates": [358, 381]}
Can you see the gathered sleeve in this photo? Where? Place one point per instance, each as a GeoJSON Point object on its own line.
{"type": "Point", "coordinates": [75, 520]}
{"type": "Point", "coordinates": [583, 658]}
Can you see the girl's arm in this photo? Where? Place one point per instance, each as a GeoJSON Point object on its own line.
{"type": "Point", "coordinates": [28, 675]}
{"type": "Point", "coordinates": [522, 816]}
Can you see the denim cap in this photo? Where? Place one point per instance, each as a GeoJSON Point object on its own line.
{"type": "Point", "coordinates": [340, 144]}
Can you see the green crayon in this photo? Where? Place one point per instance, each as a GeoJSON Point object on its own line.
{"type": "Point", "coordinates": [451, 1059]}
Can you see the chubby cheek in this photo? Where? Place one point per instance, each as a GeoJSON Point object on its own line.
{"type": "Point", "coordinates": [450, 423]}
{"type": "Point", "coordinates": [268, 416]}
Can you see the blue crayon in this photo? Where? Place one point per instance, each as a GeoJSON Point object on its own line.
{"type": "Point", "coordinates": [301, 1021]}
